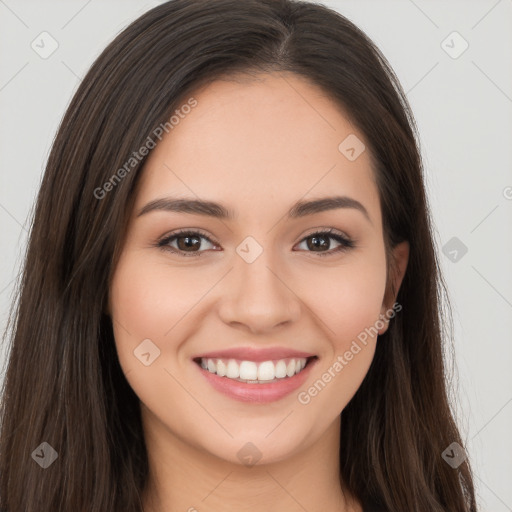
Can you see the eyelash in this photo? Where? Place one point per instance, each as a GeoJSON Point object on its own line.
{"type": "Point", "coordinates": [345, 242]}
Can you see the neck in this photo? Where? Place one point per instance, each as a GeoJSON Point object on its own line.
{"type": "Point", "coordinates": [183, 477]}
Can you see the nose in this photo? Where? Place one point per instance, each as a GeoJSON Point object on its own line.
{"type": "Point", "coordinates": [258, 297]}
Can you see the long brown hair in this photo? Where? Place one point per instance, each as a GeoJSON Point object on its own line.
{"type": "Point", "coordinates": [64, 385]}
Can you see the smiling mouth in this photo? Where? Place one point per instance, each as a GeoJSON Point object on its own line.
{"type": "Point", "coordinates": [252, 372]}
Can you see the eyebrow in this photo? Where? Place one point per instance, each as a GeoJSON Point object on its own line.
{"type": "Point", "coordinates": [217, 210]}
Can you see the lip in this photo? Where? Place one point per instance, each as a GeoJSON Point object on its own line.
{"type": "Point", "coordinates": [258, 355]}
{"type": "Point", "coordinates": [258, 393]}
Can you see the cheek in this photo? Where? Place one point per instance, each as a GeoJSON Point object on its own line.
{"type": "Point", "coordinates": [141, 295]}
{"type": "Point", "coordinates": [150, 302]}
{"type": "Point", "coordinates": [356, 305]}
{"type": "Point", "coordinates": [347, 299]}
{"type": "Point", "coordinates": [348, 303]}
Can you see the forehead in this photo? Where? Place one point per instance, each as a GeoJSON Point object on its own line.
{"type": "Point", "coordinates": [253, 141]}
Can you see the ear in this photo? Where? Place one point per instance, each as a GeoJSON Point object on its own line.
{"type": "Point", "coordinates": [399, 260]}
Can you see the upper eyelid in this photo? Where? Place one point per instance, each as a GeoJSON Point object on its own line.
{"type": "Point", "coordinates": [328, 231]}
{"type": "Point", "coordinates": [194, 231]}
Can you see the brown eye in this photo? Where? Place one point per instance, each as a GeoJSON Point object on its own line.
{"type": "Point", "coordinates": [317, 242]}
{"type": "Point", "coordinates": [320, 242]}
{"type": "Point", "coordinates": [185, 243]}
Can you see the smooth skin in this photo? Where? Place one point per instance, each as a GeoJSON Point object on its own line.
{"type": "Point", "coordinates": [257, 145]}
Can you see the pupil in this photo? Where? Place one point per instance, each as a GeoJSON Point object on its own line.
{"type": "Point", "coordinates": [314, 245]}
{"type": "Point", "coordinates": [188, 244]}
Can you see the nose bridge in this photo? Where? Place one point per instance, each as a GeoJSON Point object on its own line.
{"type": "Point", "coordinates": [257, 295]}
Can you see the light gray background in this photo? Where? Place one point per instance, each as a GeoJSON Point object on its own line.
{"type": "Point", "coordinates": [463, 107]}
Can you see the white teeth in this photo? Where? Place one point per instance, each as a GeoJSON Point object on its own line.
{"type": "Point", "coordinates": [221, 368]}
{"type": "Point", "coordinates": [290, 369]}
{"type": "Point", "coordinates": [280, 369]}
{"type": "Point", "coordinates": [233, 371]}
{"type": "Point", "coordinates": [266, 371]}
{"type": "Point", "coordinates": [250, 371]}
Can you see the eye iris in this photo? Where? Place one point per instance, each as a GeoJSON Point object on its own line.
{"type": "Point", "coordinates": [321, 241]}
{"type": "Point", "coordinates": [188, 244]}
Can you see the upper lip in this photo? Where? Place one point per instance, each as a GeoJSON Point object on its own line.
{"type": "Point", "coordinates": [255, 354]}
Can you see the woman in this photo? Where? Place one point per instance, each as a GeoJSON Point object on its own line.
{"type": "Point", "coordinates": [231, 295]}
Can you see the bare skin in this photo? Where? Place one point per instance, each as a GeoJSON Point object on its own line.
{"type": "Point", "coordinates": [257, 147]}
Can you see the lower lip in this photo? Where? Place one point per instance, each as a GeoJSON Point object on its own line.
{"type": "Point", "coordinates": [257, 393]}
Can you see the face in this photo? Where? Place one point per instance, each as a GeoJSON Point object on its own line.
{"type": "Point", "coordinates": [260, 291]}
